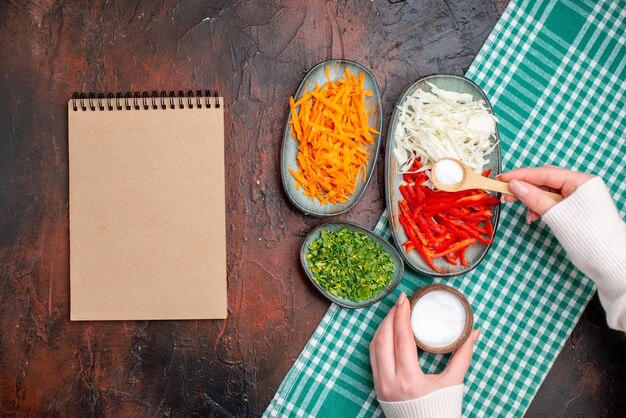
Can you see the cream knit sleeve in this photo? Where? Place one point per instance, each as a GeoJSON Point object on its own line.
{"type": "Point", "coordinates": [442, 403]}
{"type": "Point", "coordinates": [589, 227]}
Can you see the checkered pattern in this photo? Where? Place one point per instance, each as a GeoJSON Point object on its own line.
{"type": "Point", "coordinates": [554, 71]}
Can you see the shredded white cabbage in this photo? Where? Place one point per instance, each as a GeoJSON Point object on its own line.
{"type": "Point", "coordinates": [440, 123]}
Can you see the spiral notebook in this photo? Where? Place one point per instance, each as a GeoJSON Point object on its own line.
{"type": "Point", "coordinates": [147, 206]}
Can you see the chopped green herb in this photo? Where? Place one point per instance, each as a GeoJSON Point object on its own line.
{"type": "Point", "coordinates": [349, 264]}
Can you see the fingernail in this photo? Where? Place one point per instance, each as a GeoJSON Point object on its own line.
{"type": "Point", "coordinates": [401, 299]}
{"type": "Point", "coordinates": [498, 176]}
{"type": "Point", "coordinates": [502, 199]}
{"type": "Point", "coordinates": [528, 218]}
{"type": "Point", "coordinates": [476, 334]}
{"type": "Point", "coordinates": [518, 187]}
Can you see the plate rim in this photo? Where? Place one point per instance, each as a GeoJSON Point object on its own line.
{"type": "Point", "coordinates": [390, 210]}
{"type": "Point", "coordinates": [383, 294]}
{"type": "Point", "coordinates": [377, 141]}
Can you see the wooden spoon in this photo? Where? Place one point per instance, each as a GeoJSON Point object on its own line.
{"type": "Point", "coordinates": [473, 180]}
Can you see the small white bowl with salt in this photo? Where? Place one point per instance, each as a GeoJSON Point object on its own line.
{"type": "Point", "coordinates": [441, 318]}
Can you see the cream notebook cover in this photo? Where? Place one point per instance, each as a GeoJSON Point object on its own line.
{"type": "Point", "coordinates": [147, 208]}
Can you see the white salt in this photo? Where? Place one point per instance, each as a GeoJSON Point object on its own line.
{"type": "Point", "coordinates": [448, 172]}
{"type": "Point", "coordinates": [438, 318]}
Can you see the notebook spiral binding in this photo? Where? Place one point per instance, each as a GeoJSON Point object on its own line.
{"type": "Point", "coordinates": [145, 100]}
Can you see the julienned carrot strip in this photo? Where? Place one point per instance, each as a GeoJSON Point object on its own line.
{"type": "Point", "coordinates": [298, 177]}
{"type": "Point", "coordinates": [303, 99]}
{"type": "Point", "coordinates": [296, 123]}
{"type": "Point", "coordinates": [327, 102]}
{"type": "Point", "coordinates": [360, 109]}
{"type": "Point", "coordinates": [330, 125]}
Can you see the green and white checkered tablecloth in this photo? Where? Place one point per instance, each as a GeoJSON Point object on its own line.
{"type": "Point", "coordinates": [554, 72]}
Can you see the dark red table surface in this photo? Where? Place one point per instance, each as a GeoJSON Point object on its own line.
{"type": "Point", "coordinates": [254, 54]}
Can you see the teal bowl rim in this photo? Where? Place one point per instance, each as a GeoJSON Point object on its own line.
{"type": "Point", "coordinates": [389, 248]}
{"type": "Point", "coordinates": [388, 156]}
{"type": "Point", "coordinates": [377, 142]}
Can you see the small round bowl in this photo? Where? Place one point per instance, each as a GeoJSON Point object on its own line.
{"type": "Point", "coordinates": [469, 318]}
{"type": "Point", "coordinates": [389, 249]}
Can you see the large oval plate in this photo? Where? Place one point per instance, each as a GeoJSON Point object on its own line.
{"type": "Point", "coordinates": [347, 303]}
{"type": "Point", "coordinates": [289, 151]}
{"type": "Point", "coordinates": [393, 179]}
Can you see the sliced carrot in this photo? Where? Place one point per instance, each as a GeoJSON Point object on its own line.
{"type": "Point", "coordinates": [304, 98]}
{"type": "Point", "coordinates": [298, 177]}
{"type": "Point", "coordinates": [328, 103]}
{"type": "Point", "coordinates": [330, 124]}
{"type": "Point", "coordinates": [295, 121]}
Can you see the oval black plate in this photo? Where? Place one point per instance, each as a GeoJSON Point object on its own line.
{"type": "Point", "coordinates": [393, 179]}
{"type": "Point", "coordinates": [374, 108]}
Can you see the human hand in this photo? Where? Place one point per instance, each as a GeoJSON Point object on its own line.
{"type": "Point", "coordinates": [393, 354]}
{"type": "Point", "coordinates": [528, 183]}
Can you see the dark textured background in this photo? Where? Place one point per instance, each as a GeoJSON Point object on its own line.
{"type": "Point", "coordinates": [255, 54]}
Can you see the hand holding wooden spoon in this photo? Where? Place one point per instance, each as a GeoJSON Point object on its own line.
{"type": "Point", "coordinates": [525, 184]}
{"type": "Point", "coordinates": [452, 175]}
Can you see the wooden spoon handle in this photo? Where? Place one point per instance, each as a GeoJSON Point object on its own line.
{"type": "Point", "coordinates": [502, 187]}
{"type": "Point", "coordinates": [496, 186]}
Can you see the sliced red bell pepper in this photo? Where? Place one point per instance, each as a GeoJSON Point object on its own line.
{"type": "Point", "coordinates": [427, 257]}
{"type": "Point", "coordinates": [409, 194]}
{"type": "Point", "coordinates": [404, 207]}
{"type": "Point", "coordinates": [465, 201]}
{"type": "Point", "coordinates": [417, 164]}
{"type": "Point", "coordinates": [434, 226]}
{"type": "Point", "coordinates": [480, 208]}
{"type": "Point", "coordinates": [478, 216]}
{"type": "Point", "coordinates": [443, 224]}
{"type": "Point", "coordinates": [443, 197]}
{"type": "Point", "coordinates": [450, 227]}
{"type": "Point", "coordinates": [418, 241]}
{"type": "Point", "coordinates": [459, 213]}
{"type": "Point", "coordinates": [462, 257]}
{"type": "Point", "coordinates": [424, 227]}
{"type": "Point", "coordinates": [492, 201]}
{"type": "Point", "coordinates": [489, 228]}
{"type": "Point", "coordinates": [412, 231]}
{"type": "Point", "coordinates": [455, 247]}
{"type": "Point", "coordinates": [413, 176]}
{"type": "Point", "coordinates": [404, 192]}
{"type": "Point", "coordinates": [445, 243]}
{"type": "Point", "coordinates": [472, 233]}
{"type": "Point", "coordinates": [417, 193]}
{"type": "Point", "coordinates": [420, 195]}
{"type": "Point", "coordinates": [476, 225]}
